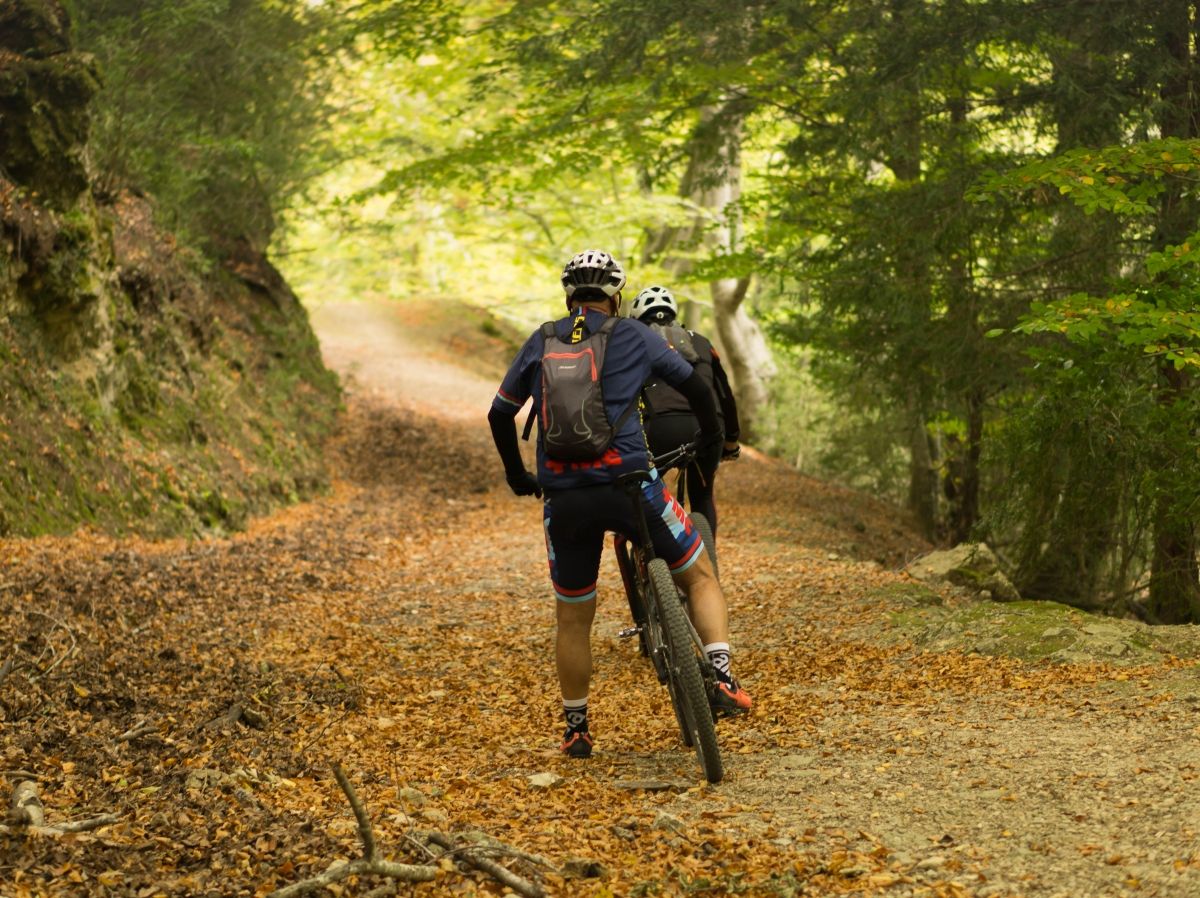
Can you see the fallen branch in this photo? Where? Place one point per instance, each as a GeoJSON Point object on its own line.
{"type": "Point", "coordinates": [371, 863]}
{"type": "Point", "coordinates": [25, 808]}
{"type": "Point", "coordinates": [26, 815]}
{"type": "Point", "coordinates": [505, 876]}
{"type": "Point", "coordinates": [140, 729]}
{"type": "Point", "coordinates": [384, 891]}
{"type": "Point", "coordinates": [492, 847]}
{"type": "Point", "coordinates": [23, 774]}
{"type": "Point", "coordinates": [82, 826]}
{"type": "Point", "coordinates": [365, 831]}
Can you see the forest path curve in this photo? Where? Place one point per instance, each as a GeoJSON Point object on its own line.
{"type": "Point", "coordinates": [370, 346]}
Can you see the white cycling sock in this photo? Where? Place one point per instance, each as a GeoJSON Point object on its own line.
{"type": "Point", "coordinates": [718, 654]}
{"type": "Point", "coordinates": [575, 711]}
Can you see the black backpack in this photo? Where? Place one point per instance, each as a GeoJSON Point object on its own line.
{"type": "Point", "coordinates": [661, 397]}
{"type": "Point", "coordinates": [574, 423]}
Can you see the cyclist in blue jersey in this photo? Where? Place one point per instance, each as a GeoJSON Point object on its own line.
{"type": "Point", "coordinates": [583, 501]}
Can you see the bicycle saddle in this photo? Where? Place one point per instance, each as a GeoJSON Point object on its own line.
{"type": "Point", "coordinates": [630, 478]}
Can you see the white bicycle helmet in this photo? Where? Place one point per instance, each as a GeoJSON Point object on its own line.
{"type": "Point", "coordinates": [593, 268]}
{"type": "Point", "coordinates": [657, 303]}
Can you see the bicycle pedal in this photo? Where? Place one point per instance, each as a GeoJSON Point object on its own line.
{"type": "Point", "coordinates": [628, 632]}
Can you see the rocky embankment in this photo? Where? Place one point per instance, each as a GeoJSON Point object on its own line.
{"type": "Point", "coordinates": [142, 388]}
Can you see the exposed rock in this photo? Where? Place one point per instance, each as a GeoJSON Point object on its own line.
{"type": "Point", "coordinates": [544, 780]}
{"type": "Point", "coordinates": [35, 28]}
{"type": "Point", "coordinates": [973, 566]}
{"type": "Point", "coordinates": [668, 822]}
{"type": "Point", "coordinates": [45, 89]}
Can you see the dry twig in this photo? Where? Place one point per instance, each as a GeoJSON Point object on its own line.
{"type": "Point", "coordinates": [67, 654]}
{"type": "Point", "coordinates": [140, 729]}
{"type": "Point", "coordinates": [503, 875]}
{"type": "Point", "coordinates": [79, 826]}
{"type": "Point", "coordinates": [27, 815]}
{"type": "Point", "coordinates": [371, 863]}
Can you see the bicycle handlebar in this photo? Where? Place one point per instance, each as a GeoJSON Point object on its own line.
{"type": "Point", "coordinates": [680, 455]}
{"type": "Point", "coordinates": [683, 454]}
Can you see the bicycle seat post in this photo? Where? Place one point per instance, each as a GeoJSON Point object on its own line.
{"type": "Point", "coordinates": [632, 482]}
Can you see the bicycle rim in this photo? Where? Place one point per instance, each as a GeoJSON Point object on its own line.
{"type": "Point", "coordinates": [683, 670]}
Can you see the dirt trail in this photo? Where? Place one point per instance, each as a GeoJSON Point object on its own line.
{"type": "Point", "coordinates": [1037, 788]}
{"type": "Point", "coordinates": [403, 626]}
{"type": "Point", "coordinates": [370, 346]}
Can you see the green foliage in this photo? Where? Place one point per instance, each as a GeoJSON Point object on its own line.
{"type": "Point", "coordinates": [954, 213]}
{"type": "Point", "coordinates": [1124, 179]}
{"type": "Point", "coordinates": [213, 106]}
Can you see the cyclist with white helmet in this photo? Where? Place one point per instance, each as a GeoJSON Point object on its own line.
{"type": "Point", "coordinates": [582, 498]}
{"type": "Point", "coordinates": [670, 420]}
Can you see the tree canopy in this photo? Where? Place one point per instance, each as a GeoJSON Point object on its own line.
{"type": "Point", "coordinates": [961, 232]}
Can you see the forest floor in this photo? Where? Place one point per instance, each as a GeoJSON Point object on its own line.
{"type": "Point", "coordinates": [403, 627]}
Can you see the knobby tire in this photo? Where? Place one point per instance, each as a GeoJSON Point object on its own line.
{"type": "Point", "coordinates": [685, 682]}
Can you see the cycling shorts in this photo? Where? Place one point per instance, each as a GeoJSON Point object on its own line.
{"type": "Point", "coordinates": [576, 521]}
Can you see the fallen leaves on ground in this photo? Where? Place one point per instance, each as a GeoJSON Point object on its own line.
{"type": "Point", "coordinates": [403, 627]}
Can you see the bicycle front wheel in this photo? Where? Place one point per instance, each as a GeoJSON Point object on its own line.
{"type": "Point", "coordinates": [683, 669]}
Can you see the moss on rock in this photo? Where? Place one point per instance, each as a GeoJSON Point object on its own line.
{"type": "Point", "coordinates": [142, 389]}
{"type": "Point", "coordinates": [1037, 631]}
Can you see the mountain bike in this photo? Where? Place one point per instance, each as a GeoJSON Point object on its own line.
{"type": "Point", "coordinates": [667, 636]}
{"type": "Point", "coordinates": [681, 459]}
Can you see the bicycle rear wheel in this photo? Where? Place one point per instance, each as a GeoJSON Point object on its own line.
{"type": "Point", "coordinates": [700, 522]}
{"type": "Point", "coordinates": [686, 685]}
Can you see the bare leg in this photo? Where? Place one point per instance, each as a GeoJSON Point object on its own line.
{"type": "Point", "coordinates": [707, 601]}
{"type": "Point", "coordinates": [573, 649]}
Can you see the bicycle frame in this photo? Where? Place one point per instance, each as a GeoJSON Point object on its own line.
{"type": "Point", "coordinates": [632, 560]}
{"type": "Point", "coordinates": [668, 636]}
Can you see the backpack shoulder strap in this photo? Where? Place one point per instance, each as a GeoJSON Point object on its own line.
{"type": "Point", "coordinates": [549, 332]}
{"type": "Point", "coordinates": [629, 409]}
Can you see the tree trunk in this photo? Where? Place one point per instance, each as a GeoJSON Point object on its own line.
{"type": "Point", "coordinates": [1174, 574]}
{"type": "Point", "coordinates": [1071, 531]}
{"type": "Point", "coordinates": [922, 475]}
{"type": "Point", "coordinates": [1174, 577]}
{"type": "Point", "coordinates": [716, 182]}
{"type": "Point", "coordinates": [904, 156]}
{"type": "Point", "coordinates": [713, 180]}
{"type": "Point", "coordinates": [965, 510]}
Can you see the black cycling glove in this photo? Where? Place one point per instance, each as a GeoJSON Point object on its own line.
{"type": "Point", "coordinates": [524, 484]}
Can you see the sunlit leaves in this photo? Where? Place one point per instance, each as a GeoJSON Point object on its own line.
{"type": "Point", "coordinates": [1125, 179]}
{"type": "Point", "coordinates": [1166, 326]}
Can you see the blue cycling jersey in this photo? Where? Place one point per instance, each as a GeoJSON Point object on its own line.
{"type": "Point", "coordinates": [635, 353]}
